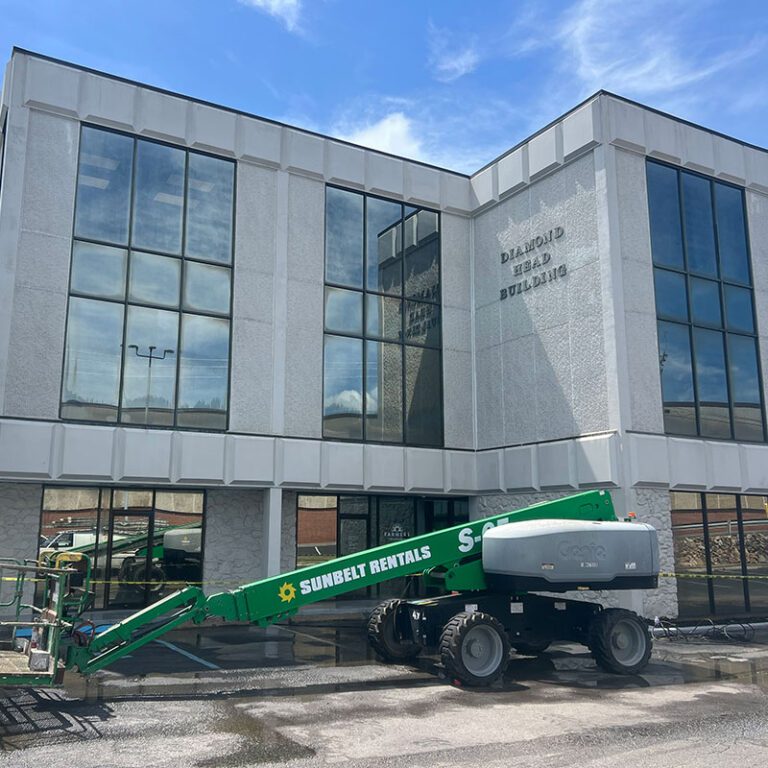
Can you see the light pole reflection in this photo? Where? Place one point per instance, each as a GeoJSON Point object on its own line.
{"type": "Point", "coordinates": [149, 358]}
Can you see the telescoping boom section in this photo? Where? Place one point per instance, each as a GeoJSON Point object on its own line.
{"type": "Point", "coordinates": [451, 558]}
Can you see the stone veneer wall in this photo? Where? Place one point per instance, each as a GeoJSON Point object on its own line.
{"type": "Point", "coordinates": [651, 506]}
{"type": "Point", "coordinates": [19, 526]}
{"type": "Point", "coordinates": [232, 554]}
{"type": "Point", "coordinates": [288, 533]}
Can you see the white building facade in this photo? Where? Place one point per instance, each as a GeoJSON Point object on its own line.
{"type": "Point", "coordinates": [206, 316]}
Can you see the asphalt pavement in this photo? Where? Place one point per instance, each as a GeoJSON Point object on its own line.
{"type": "Point", "coordinates": [311, 694]}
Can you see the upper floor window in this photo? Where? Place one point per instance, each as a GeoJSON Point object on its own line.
{"type": "Point", "coordinates": [708, 354]}
{"type": "Point", "coordinates": [382, 376]}
{"type": "Point", "coordinates": [148, 330]}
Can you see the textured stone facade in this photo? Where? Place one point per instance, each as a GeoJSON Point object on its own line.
{"type": "Point", "coordinates": [20, 505]}
{"type": "Point", "coordinates": [288, 535]}
{"type": "Point", "coordinates": [232, 553]}
{"type": "Point", "coordinates": [651, 506]}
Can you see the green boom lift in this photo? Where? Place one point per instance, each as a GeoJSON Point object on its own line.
{"type": "Point", "coordinates": [486, 569]}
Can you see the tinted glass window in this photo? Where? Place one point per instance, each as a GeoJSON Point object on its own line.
{"type": "Point", "coordinates": [699, 225]}
{"type": "Point", "coordinates": [705, 302]}
{"type": "Point", "coordinates": [384, 392]}
{"type": "Point", "coordinates": [738, 309]}
{"type": "Point", "coordinates": [422, 257]}
{"type": "Point", "coordinates": [384, 317]}
{"type": "Point", "coordinates": [423, 401]}
{"type": "Point", "coordinates": [178, 196]}
{"type": "Point", "coordinates": [92, 360]}
{"type": "Point", "coordinates": [726, 398]}
{"type": "Point", "coordinates": [344, 237]}
{"type": "Point", "coordinates": [343, 311]}
{"type": "Point", "coordinates": [203, 372]}
{"type": "Point", "coordinates": [104, 186]}
{"type": "Point", "coordinates": [366, 377]}
{"type": "Point", "coordinates": [731, 234]}
{"type": "Point", "coordinates": [206, 288]}
{"type": "Point", "coordinates": [210, 208]}
{"type": "Point", "coordinates": [745, 382]}
{"type": "Point", "coordinates": [149, 377]}
{"type": "Point", "coordinates": [671, 296]}
{"type": "Point", "coordinates": [384, 246]}
{"type": "Point", "coordinates": [675, 363]}
{"type": "Point", "coordinates": [343, 388]}
{"type": "Point", "coordinates": [155, 279]}
{"type": "Point", "coordinates": [159, 198]}
{"type": "Point", "coordinates": [98, 270]}
{"type": "Point", "coordinates": [664, 213]}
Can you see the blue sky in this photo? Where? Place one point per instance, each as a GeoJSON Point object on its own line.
{"type": "Point", "coordinates": [453, 82]}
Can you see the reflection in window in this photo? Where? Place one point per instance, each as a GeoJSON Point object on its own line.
{"type": "Point", "coordinates": [206, 288]}
{"type": "Point", "coordinates": [343, 388]}
{"type": "Point", "coordinates": [98, 270]}
{"type": "Point", "coordinates": [92, 361]}
{"type": "Point", "coordinates": [149, 376]}
{"type": "Point", "coordinates": [710, 379]}
{"type": "Point", "coordinates": [203, 372]}
{"type": "Point", "coordinates": [676, 379]}
{"type": "Point", "coordinates": [384, 392]}
{"type": "Point", "coordinates": [104, 186]}
{"type": "Point", "coordinates": [133, 258]}
{"type": "Point", "coordinates": [343, 237]}
{"type": "Point", "coordinates": [393, 349]}
{"type": "Point", "coordinates": [142, 543]}
{"type": "Point", "coordinates": [158, 198]}
{"type": "Point", "coordinates": [209, 209]}
{"type": "Point", "coordinates": [154, 279]}
{"type": "Point", "coordinates": [719, 542]}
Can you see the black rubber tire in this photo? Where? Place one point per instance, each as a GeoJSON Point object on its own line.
{"type": "Point", "coordinates": [532, 649]}
{"type": "Point", "coordinates": [382, 634]}
{"type": "Point", "coordinates": [455, 647]}
{"type": "Point", "coordinates": [609, 632]}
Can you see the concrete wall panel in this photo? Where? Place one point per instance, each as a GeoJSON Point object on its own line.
{"type": "Point", "coordinates": [233, 538]}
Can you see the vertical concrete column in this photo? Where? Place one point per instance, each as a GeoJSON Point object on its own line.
{"type": "Point", "coordinates": [476, 510]}
{"type": "Point", "coordinates": [273, 522]}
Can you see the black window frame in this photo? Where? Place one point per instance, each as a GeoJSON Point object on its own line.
{"type": "Point", "coordinates": [690, 324]}
{"type": "Point", "coordinates": [127, 302]}
{"type": "Point", "coordinates": [714, 575]}
{"type": "Point", "coordinates": [364, 337]}
{"type": "Point", "coordinates": [108, 510]}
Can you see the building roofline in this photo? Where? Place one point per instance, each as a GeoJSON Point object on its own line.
{"type": "Point", "coordinates": [90, 70]}
{"type": "Point", "coordinates": [610, 94]}
{"type": "Point", "coordinates": [601, 92]}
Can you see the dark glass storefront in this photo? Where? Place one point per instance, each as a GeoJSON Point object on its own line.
{"type": "Point", "coordinates": [332, 526]}
{"type": "Point", "coordinates": [144, 543]}
{"type": "Point", "coordinates": [721, 554]}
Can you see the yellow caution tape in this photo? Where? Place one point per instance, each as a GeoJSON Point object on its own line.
{"type": "Point", "coordinates": [669, 575]}
{"type": "Point", "coordinates": [237, 583]}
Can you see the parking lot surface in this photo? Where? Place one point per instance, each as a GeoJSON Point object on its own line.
{"type": "Point", "coordinates": [313, 695]}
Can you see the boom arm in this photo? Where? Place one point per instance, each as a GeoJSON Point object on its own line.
{"type": "Point", "coordinates": [450, 555]}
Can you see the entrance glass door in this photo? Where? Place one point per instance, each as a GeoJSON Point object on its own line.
{"type": "Point", "coordinates": [396, 520]}
{"type": "Point", "coordinates": [133, 578]}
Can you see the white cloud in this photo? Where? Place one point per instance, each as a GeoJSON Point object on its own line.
{"type": "Point", "coordinates": [622, 47]}
{"type": "Point", "coordinates": [393, 133]}
{"type": "Point", "coordinates": [347, 401]}
{"type": "Point", "coordinates": [287, 11]}
{"type": "Point", "coordinates": [448, 62]}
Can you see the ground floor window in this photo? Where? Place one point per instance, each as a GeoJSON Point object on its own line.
{"type": "Point", "coordinates": [721, 554]}
{"type": "Point", "coordinates": [332, 526]}
{"type": "Point", "coordinates": [144, 542]}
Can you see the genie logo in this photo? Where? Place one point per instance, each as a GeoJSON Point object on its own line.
{"type": "Point", "coordinates": [571, 550]}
